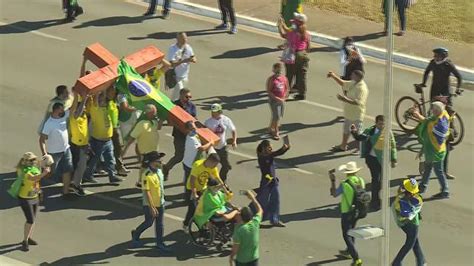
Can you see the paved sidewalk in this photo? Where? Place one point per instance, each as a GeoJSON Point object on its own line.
{"type": "Point", "coordinates": [367, 32]}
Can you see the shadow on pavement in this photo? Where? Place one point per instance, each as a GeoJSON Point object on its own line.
{"type": "Point", "coordinates": [172, 35]}
{"type": "Point", "coordinates": [369, 36]}
{"type": "Point", "coordinates": [113, 21]}
{"type": "Point", "coordinates": [311, 214]}
{"type": "Point", "coordinates": [325, 49]}
{"type": "Point", "coordinates": [27, 26]}
{"type": "Point", "coordinates": [236, 102]}
{"type": "Point", "coordinates": [245, 53]}
{"type": "Point", "coordinates": [324, 262]}
{"type": "Point", "coordinates": [180, 247]}
{"type": "Point", "coordinates": [4, 249]}
{"type": "Point", "coordinates": [6, 201]}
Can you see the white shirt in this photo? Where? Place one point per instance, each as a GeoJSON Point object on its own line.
{"type": "Point", "coordinates": [175, 54]}
{"type": "Point", "coordinates": [191, 147]}
{"type": "Point", "coordinates": [222, 127]}
{"type": "Point", "coordinates": [56, 130]}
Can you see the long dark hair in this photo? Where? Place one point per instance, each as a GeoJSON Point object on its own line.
{"type": "Point", "coordinates": [262, 146]}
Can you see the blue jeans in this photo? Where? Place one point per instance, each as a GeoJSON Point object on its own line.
{"type": "Point", "coordinates": [411, 242]}
{"type": "Point", "coordinates": [348, 223]}
{"type": "Point", "coordinates": [158, 220]}
{"type": "Point", "coordinates": [401, 15]}
{"type": "Point", "coordinates": [439, 171]}
{"type": "Point", "coordinates": [101, 148]}
{"type": "Point", "coordinates": [166, 6]}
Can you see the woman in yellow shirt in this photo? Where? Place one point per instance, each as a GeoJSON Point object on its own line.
{"type": "Point", "coordinates": [28, 170]}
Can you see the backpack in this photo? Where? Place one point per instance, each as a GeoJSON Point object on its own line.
{"type": "Point", "coordinates": [14, 189]}
{"type": "Point", "coordinates": [360, 203]}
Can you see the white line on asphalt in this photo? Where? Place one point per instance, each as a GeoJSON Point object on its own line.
{"type": "Point", "coordinates": [246, 156]}
{"type": "Point", "coordinates": [39, 33]}
{"type": "Point", "coordinates": [4, 260]}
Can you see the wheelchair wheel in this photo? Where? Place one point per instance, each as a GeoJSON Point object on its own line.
{"type": "Point", "coordinates": [202, 237]}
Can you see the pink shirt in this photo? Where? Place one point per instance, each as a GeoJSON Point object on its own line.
{"type": "Point", "coordinates": [295, 41]}
{"type": "Point", "coordinates": [279, 88]}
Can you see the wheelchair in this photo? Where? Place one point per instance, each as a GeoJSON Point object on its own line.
{"type": "Point", "coordinates": [215, 233]}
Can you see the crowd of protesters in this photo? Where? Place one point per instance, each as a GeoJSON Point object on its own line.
{"type": "Point", "coordinates": [84, 136]}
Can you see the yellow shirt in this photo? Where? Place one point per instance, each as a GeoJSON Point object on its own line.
{"type": "Point", "coordinates": [146, 134]}
{"type": "Point", "coordinates": [29, 189]}
{"type": "Point", "coordinates": [155, 78]}
{"type": "Point", "coordinates": [358, 92]}
{"type": "Point", "coordinates": [202, 174]}
{"type": "Point", "coordinates": [79, 129]}
{"type": "Point", "coordinates": [151, 183]}
{"type": "Point", "coordinates": [101, 122]}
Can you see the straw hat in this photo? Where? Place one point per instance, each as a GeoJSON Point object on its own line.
{"type": "Point", "coordinates": [349, 168]}
{"type": "Point", "coordinates": [29, 156]}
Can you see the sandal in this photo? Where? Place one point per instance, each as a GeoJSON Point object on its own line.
{"type": "Point", "coordinates": [337, 148]}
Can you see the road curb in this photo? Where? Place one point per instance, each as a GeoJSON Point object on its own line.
{"type": "Point", "coordinates": [404, 59]}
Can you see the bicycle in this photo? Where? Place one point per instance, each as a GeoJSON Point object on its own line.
{"type": "Point", "coordinates": [406, 120]}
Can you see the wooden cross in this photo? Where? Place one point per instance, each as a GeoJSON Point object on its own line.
{"type": "Point", "coordinates": [143, 60]}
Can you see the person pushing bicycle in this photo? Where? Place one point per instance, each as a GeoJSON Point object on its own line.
{"type": "Point", "coordinates": [442, 68]}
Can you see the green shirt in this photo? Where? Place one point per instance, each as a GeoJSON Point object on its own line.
{"type": "Point", "coordinates": [348, 193]}
{"type": "Point", "coordinates": [247, 236]}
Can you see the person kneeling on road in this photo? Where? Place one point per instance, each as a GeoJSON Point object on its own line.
{"type": "Point", "coordinates": [214, 205]}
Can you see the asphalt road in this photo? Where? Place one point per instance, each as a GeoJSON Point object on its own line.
{"type": "Point", "coordinates": [37, 53]}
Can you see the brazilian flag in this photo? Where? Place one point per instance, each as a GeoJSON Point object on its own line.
{"type": "Point", "coordinates": [140, 92]}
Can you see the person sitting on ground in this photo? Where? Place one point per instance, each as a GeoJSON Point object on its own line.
{"type": "Point", "coordinates": [214, 204]}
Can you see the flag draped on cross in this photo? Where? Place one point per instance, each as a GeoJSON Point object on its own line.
{"type": "Point", "coordinates": [140, 92]}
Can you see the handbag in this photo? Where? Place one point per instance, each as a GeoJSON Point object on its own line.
{"type": "Point", "coordinates": [170, 75]}
{"type": "Point", "coordinates": [288, 55]}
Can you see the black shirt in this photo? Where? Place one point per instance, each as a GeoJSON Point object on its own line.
{"type": "Point", "coordinates": [441, 73]}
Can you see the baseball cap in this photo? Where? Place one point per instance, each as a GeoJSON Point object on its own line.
{"type": "Point", "coordinates": [215, 107]}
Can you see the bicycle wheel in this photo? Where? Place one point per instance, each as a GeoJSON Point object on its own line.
{"type": "Point", "coordinates": [202, 237]}
{"type": "Point", "coordinates": [457, 130]}
{"type": "Point", "coordinates": [405, 119]}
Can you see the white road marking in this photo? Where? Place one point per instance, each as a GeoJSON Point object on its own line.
{"type": "Point", "coordinates": [4, 260]}
{"type": "Point", "coordinates": [39, 33]}
{"type": "Point", "coordinates": [246, 156]}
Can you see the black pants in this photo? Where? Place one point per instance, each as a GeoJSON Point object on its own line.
{"type": "Point", "coordinates": [178, 154]}
{"type": "Point", "coordinates": [117, 149]}
{"type": "Point", "coordinates": [298, 71]}
{"type": "Point", "coordinates": [71, 10]}
{"type": "Point", "coordinates": [224, 157]}
{"type": "Point", "coordinates": [376, 173]}
{"type": "Point", "coordinates": [29, 208]}
{"type": "Point", "coordinates": [191, 207]}
{"type": "Point", "coordinates": [348, 223]}
{"type": "Point", "coordinates": [227, 9]}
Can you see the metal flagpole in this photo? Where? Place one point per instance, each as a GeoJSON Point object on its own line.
{"type": "Point", "coordinates": [386, 167]}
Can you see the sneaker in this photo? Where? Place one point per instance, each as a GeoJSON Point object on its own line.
{"type": "Point", "coordinates": [32, 242]}
{"type": "Point", "coordinates": [163, 248]}
{"type": "Point", "coordinates": [115, 180]}
{"type": "Point", "coordinates": [90, 180]}
{"type": "Point", "coordinates": [122, 171]}
{"type": "Point", "coordinates": [165, 14]}
{"type": "Point", "coordinates": [77, 190]}
{"type": "Point", "coordinates": [24, 246]}
{"type": "Point", "coordinates": [185, 229]}
{"type": "Point", "coordinates": [233, 30]}
{"type": "Point", "coordinates": [223, 26]}
{"type": "Point", "coordinates": [299, 97]}
{"type": "Point", "coordinates": [441, 195]}
{"type": "Point", "coordinates": [345, 253]}
{"type": "Point", "coordinates": [450, 177]}
{"type": "Point", "coordinates": [358, 262]}
{"type": "Point", "coordinates": [279, 224]}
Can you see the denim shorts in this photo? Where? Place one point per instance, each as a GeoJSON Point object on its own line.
{"type": "Point", "coordinates": [62, 163]}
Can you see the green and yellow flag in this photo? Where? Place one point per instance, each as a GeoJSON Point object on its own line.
{"type": "Point", "coordinates": [140, 92]}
